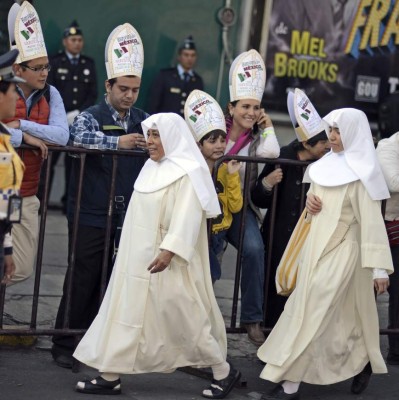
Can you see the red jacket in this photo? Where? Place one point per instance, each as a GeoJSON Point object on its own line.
{"type": "Point", "coordinates": [39, 113]}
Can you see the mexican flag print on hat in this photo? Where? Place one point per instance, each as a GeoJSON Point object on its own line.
{"type": "Point", "coordinates": [247, 77]}
{"type": "Point", "coordinates": [25, 32]}
{"type": "Point", "coordinates": [124, 53]}
{"type": "Point", "coordinates": [203, 114]}
{"type": "Point", "coordinates": [304, 117]}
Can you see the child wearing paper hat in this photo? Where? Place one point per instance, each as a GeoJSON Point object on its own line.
{"type": "Point", "coordinates": [206, 121]}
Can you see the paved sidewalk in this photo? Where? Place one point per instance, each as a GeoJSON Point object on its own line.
{"type": "Point", "coordinates": [30, 373]}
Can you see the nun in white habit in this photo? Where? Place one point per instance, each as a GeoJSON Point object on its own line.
{"type": "Point", "coordinates": [159, 312]}
{"type": "Point", "coordinates": [329, 329]}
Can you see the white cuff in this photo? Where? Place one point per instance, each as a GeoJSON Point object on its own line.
{"type": "Point", "coordinates": [379, 273]}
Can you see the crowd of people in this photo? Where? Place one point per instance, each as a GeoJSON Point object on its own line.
{"type": "Point", "coordinates": [159, 311]}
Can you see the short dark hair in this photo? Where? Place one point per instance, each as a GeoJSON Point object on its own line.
{"type": "Point", "coordinates": [4, 86]}
{"type": "Point", "coordinates": [112, 81]}
{"type": "Point", "coordinates": [213, 135]}
{"type": "Point", "coordinates": [298, 146]}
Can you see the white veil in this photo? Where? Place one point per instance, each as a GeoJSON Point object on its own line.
{"type": "Point", "coordinates": [182, 156]}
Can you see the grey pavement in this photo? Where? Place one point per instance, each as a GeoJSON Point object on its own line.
{"type": "Point", "coordinates": [30, 373]}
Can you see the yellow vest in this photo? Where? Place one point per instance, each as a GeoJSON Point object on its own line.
{"type": "Point", "coordinates": [11, 166]}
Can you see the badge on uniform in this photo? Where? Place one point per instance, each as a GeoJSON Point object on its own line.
{"type": "Point", "coordinates": [14, 211]}
{"type": "Point", "coordinates": [86, 71]}
{"type": "Point", "coordinates": [62, 70]}
{"type": "Point", "coordinates": [175, 90]}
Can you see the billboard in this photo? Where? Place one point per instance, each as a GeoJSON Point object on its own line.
{"type": "Point", "coordinates": [342, 53]}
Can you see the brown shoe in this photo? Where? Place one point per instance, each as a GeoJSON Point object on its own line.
{"type": "Point", "coordinates": [255, 334]}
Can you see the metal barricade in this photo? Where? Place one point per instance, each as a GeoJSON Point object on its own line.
{"type": "Point", "coordinates": [81, 153]}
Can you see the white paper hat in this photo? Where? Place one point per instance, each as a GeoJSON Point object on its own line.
{"type": "Point", "coordinates": [247, 77]}
{"type": "Point", "coordinates": [25, 32]}
{"type": "Point", "coordinates": [124, 53]}
{"type": "Point", "coordinates": [203, 114]}
{"type": "Point", "coordinates": [306, 120]}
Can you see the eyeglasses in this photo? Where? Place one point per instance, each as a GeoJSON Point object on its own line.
{"type": "Point", "coordinates": [46, 67]}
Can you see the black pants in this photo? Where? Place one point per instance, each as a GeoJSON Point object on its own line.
{"type": "Point", "coordinates": [393, 308]}
{"type": "Point", "coordinates": [85, 297]}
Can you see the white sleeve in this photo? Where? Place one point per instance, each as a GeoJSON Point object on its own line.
{"type": "Point", "coordinates": [268, 146]}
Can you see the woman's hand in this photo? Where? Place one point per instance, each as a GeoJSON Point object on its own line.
{"type": "Point", "coordinates": [9, 269]}
{"type": "Point", "coordinates": [313, 204]}
{"type": "Point", "coordinates": [381, 285]}
{"type": "Point", "coordinates": [264, 121]}
{"type": "Point", "coordinates": [233, 166]}
{"type": "Point", "coordinates": [161, 261]}
{"type": "Point", "coordinates": [274, 177]}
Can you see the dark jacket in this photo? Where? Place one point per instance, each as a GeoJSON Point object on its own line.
{"type": "Point", "coordinates": [98, 170]}
{"type": "Point", "coordinates": [288, 211]}
{"type": "Point", "coordinates": [169, 92]}
{"type": "Point", "coordinates": [77, 84]}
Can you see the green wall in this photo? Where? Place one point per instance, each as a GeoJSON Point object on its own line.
{"type": "Point", "coordinates": [162, 25]}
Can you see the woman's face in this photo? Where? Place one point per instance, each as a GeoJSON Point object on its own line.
{"type": "Point", "coordinates": [245, 113]}
{"type": "Point", "coordinates": [335, 140]}
{"type": "Point", "coordinates": [154, 145]}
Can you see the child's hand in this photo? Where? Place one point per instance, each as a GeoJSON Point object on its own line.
{"type": "Point", "coordinates": [233, 166]}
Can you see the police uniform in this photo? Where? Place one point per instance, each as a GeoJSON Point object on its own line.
{"type": "Point", "coordinates": [11, 166]}
{"type": "Point", "coordinates": [76, 83]}
{"type": "Point", "coordinates": [170, 88]}
{"type": "Point", "coordinates": [169, 92]}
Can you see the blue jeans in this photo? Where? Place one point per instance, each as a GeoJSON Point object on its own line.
{"type": "Point", "coordinates": [253, 269]}
{"type": "Point", "coordinates": [216, 246]}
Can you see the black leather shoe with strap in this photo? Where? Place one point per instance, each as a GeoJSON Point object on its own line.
{"type": "Point", "coordinates": [99, 386]}
{"type": "Point", "coordinates": [220, 389]}
{"type": "Point", "coordinates": [278, 394]}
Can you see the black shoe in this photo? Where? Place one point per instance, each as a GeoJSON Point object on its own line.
{"type": "Point", "coordinates": [220, 389]}
{"type": "Point", "coordinates": [392, 359]}
{"type": "Point", "coordinates": [361, 380]}
{"type": "Point", "coordinates": [99, 386]}
{"type": "Point", "coordinates": [278, 394]}
{"type": "Point", "coordinates": [63, 360]}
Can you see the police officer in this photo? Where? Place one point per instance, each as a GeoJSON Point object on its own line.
{"type": "Point", "coordinates": [74, 75]}
{"type": "Point", "coordinates": [11, 166]}
{"type": "Point", "coordinates": [172, 86]}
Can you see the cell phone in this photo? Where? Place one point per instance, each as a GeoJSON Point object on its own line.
{"type": "Point", "coordinates": [5, 158]}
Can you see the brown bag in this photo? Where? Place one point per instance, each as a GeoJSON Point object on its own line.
{"type": "Point", "coordinates": [288, 268]}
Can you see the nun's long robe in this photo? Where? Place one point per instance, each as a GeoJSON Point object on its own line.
{"type": "Point", "coordinates": [329, 328]}
{"type": "Point", "coordinates": [162, 321]}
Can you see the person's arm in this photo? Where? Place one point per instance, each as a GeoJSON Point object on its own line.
{"type": "Point", "coordinates": [388, 156]}
{"type": "Point", "coordinates": [374, 246]}
{"type": "Point", "coordinates": [56, 131]}
{"type": "Point", "coordinates": [187, 215]}
{"type": "Point", "coordinates": [268, 145]}
{"type": "Point", "coordinates": [85, 132]}
{"type": "Point", "coordinates": [261, 194]}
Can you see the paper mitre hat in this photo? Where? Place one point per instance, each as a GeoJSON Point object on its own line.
{"type": "Point", "coordinates": [203, 114]}
{"type": "Point", "coordinates": [25, 32]}
{"type": "Point", "coordinates": [306, 120]}
{"type": "Point", "coordinates": [247, 77]}
{"type": "Point", "coordinates": [124, 53]}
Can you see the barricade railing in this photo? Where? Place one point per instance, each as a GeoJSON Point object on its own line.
{"type": "Point", "coordinates": [81, 153]}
